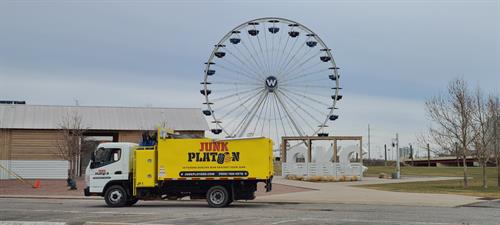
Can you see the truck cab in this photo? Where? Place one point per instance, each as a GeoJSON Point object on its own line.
{"type": "Point", "coordinates": [110, 164]}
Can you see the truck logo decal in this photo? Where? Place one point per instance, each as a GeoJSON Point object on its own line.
{"type": "Point", "coordinates": [101, 172]}
{"type": "Point", "coordinates": [214, 152]}
{"type": "Point", "coordinates": [214, 146]}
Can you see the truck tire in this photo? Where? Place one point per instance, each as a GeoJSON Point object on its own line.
{"type": "Point", "coordinates": [218, 197]}
{"type": "Point", "coordinates": [116, 196]}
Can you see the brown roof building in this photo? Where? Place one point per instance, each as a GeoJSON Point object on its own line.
{"type": "Point", "coordinates": [29, 133]}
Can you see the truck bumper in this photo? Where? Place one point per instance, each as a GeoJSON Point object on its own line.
{"type": "Point", "coordinates": [86, 191]}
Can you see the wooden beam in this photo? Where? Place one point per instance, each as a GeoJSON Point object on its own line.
{"type": "Point", "coordinates": [309, 150]}
{"type": "Point", "coordinates": [361, 150]}
{"type": "Point", "coordinates": [343, 138]}
{"type": "Point", "coordinates": [335, 157]}
{"type": "Point", "coordinates": [283, 149]}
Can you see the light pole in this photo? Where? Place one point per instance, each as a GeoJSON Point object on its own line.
{"type": "Point", "coordinates": [385, 155]}
{"type": "Point", "coordinates": [369, 155]}
{"type": "Point", "coordinates": [395, 143]}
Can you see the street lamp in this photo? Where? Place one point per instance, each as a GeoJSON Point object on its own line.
{"type": "Point", "coordinates": [395, 143]}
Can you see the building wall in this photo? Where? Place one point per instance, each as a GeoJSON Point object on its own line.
{"type": "Point", "coordinates": [35, 169]}
{"type": "Point", "coordinates": [136, 136]}
{"type": "Point", "coordinates": [4, 144]}
{"type": "Point", "coordinates": [34, 153]}
{"type": "Point", "coordinates": [193, 132]}
{"type": "Point", "coordinates": [24, 144]}
{"type": "Point", "coordinates": [4, 153]}
{"type": "Point", "coordinates": [34, 145]}
{"type": "Point", "coordinates": [130, 136]}
{"type": "Point", "coordinates": [31, 154]}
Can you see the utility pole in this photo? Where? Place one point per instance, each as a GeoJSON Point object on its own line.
{"type": "Point", "coordinates": [398, 168]}
{"type": "Point", "coordinates": [385, 155]}
{"type": "Point", "coordinates": [495, 134]}
{"type": "Point", "coordinates": [428, 155]}
{"type": "Point", "coordinates": [369, 142]}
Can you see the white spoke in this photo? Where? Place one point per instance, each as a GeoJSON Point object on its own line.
{"type": "Point", "coordinates": [299, 131]}
{"type": "Point", "coordinates": [251, 115]}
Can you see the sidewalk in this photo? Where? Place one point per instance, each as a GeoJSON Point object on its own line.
{"type": "Point", "coordinates": [349, 192]}
{"type": "Point", "coordinates": [47, 187]}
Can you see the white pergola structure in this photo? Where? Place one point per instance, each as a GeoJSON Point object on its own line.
{"type": "Point", "coordinates": [340, 164]}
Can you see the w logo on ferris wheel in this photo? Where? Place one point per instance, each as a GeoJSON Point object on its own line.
{"type": "Point", "coordinates": [271, 83]}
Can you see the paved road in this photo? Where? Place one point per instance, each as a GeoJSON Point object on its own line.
{"type": "Point", "coordinates": [351, 193]}
{"type": "Point", "coordinates": [75, 211]}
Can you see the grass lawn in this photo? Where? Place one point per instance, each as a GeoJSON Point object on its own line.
{"type": "Point", "coordinates": [445, 187]}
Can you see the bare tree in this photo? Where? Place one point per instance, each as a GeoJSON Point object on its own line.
{"type": "Point", "coordinates": [446, 145]}
{"type": "Point", "coordinates": [483, 124]}
{"type": "Point", "coordinates": [69, 145]}
{"type": "Point", "coordinates": [494, 113]}
{"type": "Point", "coordinates": [452, 114]}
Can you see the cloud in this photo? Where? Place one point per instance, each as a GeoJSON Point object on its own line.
{"type": "Point", "coordinates": [105, 88]}
{"type": "Point", "coordinates": [386, 116]}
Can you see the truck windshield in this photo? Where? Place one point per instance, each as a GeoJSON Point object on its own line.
{"type": "Point", "coordinates": [104, 156]}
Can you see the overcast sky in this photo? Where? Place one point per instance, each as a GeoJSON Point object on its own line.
{"type": "Point", "coordinates": [393, 54]}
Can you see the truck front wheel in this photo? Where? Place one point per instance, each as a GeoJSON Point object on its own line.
{"type": "Point", "coordinates": [116, 196]}
{"type": "Point", "coordinates": [218, 197]}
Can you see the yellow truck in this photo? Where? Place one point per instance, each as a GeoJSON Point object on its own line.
{"type": "Point", "coordinates": [219, 171]}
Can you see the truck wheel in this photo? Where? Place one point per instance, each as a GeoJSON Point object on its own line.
{"type": "Point", "coordinates": [132, 201]}
{"type": "Point", "coordinates": [116, 196]}
{"type": "Point", "coordinates": [218, 197]}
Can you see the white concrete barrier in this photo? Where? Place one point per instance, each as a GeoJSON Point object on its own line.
{"type": "Point", "coordinates": [323, 169]}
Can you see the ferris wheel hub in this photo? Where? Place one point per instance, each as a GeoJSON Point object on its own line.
{"type": "Point", "coordinates": [271, 83]}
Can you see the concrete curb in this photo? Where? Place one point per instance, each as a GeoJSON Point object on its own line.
{"type": "Point", "coordinates": [50, 197]}
{"type": "Point", "coordinates": [112, 223]}
{"type": "Point", "coordinates": [30, 223]}
{"type": "Point", "coordinates": [64, 223]}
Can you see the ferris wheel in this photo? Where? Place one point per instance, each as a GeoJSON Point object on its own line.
{"type": "Point", "coordinates": [270, 77]}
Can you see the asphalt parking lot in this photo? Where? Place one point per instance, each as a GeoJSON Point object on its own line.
{"type": "Point", "coordinates": [79, 211]}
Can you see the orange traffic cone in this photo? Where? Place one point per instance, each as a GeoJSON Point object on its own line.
{"type": "Point", "coordinates": [37, 184]}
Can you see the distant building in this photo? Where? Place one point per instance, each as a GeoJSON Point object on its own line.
{"type": "Point", "coordinates": [29, 133]}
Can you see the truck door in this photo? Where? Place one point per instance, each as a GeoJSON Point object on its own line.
{"type": "Point", "coordinates": [107, 164]}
